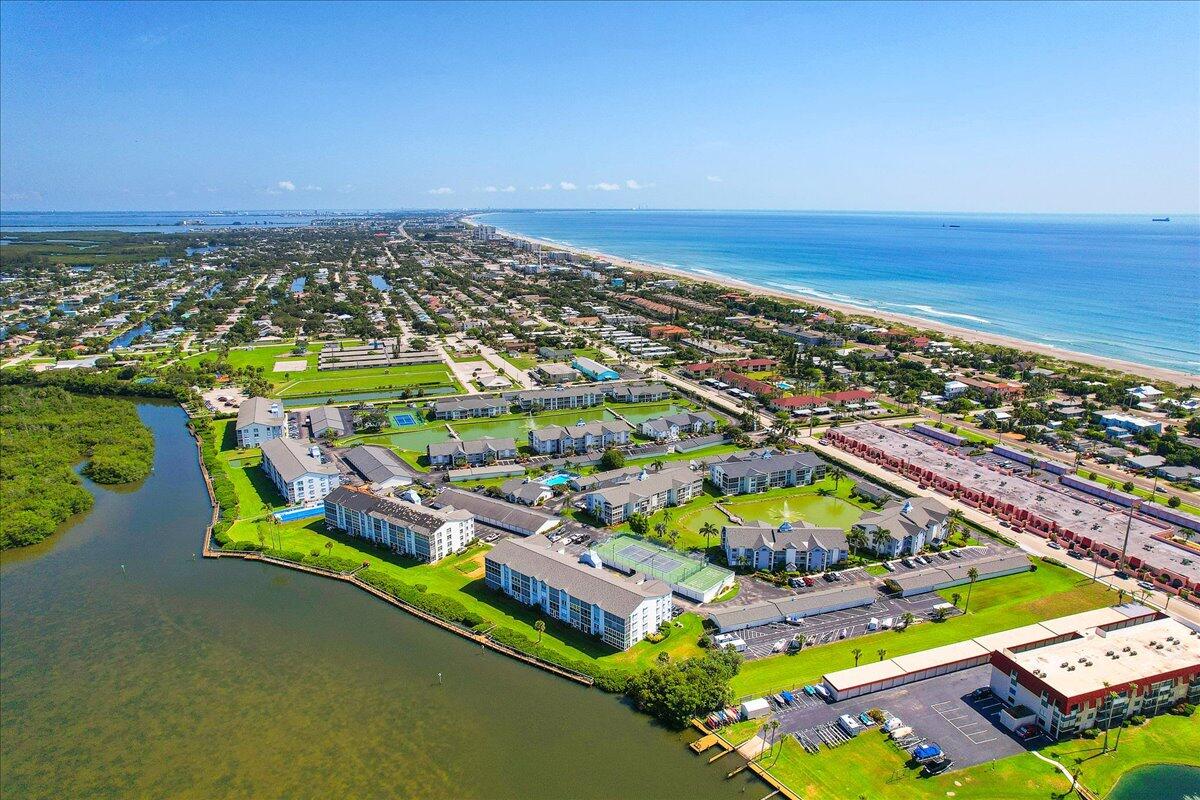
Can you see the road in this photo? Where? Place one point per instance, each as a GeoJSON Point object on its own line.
{"type": "Point", "coordinates": [1030, 543]}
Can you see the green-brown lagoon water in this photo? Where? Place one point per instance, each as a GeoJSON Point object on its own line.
{"type": "Point", "coordinates": [131, 667]}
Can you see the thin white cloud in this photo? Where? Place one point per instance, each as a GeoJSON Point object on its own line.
{"type": "Point", "coordinates": [347, 189]}
{"type": "Point", "coordinates": [632, 184]}
{"type": "Point", "coordinates": [567, 186]}
{"type": "Point", "coordinates": [605, 187]}
{"type": "Point", "coordinates": [490, 189]}
{"type": "Point", "coordinates": [311, 188]}
{"type": "Point", "coordinates": [442, 190]}
{"type": "Point", "coordinates": [509, 189]}
{"type": "Point", "coordinates": [545, 187]}
{"type": "Point", "coordinates": [715, 179]}
{"type": "Point", "coordinates": [287, 186]}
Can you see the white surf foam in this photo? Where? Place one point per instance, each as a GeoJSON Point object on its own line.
{"type": "Point", "coordinates": [951, 314]}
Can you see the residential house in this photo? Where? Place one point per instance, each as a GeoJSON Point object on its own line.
{"type": "Point", "coordinates": [558, 398]}
{"type": "Point", "coordinates": [326, 419]}
{"type": "Point", "coordinates": [556, 373]}
{"type": "Point", "coordinates": [526, 492]}
{"type": "Point", "coordinates": [379, 467]}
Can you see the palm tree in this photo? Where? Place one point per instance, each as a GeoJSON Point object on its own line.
{"type": "Point", "coordinates": [955, 599]}
{"type": "Point", "coordinates": [907, 618]}
{"type": "Point", "coordinates": [1133, 687]}
{"type": "Point", "coordinates": [708, 530]}
{"type": "Point", "coordinates": [955, 520]}
{"type": "Point", "coordinates": [1112, 698]}
{"type": "Point", "coordinates": [782, 742]}
{"type": "Point", "coordinates": [972, 575]}
{"type": "Point", "coordinates": [881, 652]}
{"type": "Point", "coordinates": [837, 473]}
{"type": "Point", "coordinates": [657, 465]}
{"type": "Point", "coordinates": [857, 653]}
{"type": "Point", "coordinates": [329, 548]}
{"type": "Point", "coordinates": [856, 539]}
{"type": "Point", "coordinates": [800, 639]}
{"type": "Point", "coordinates": [540, 627]}
{"type": "Point", "coordinates": [880, 537]}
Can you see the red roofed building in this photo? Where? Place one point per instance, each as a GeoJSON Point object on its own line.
{"type": "Point", "coordinates": [748, 384]}
{"type": "Point", "coordinates": [756, 363]}
{"type": "Point", "coordinates": [831, 399]}
{"type": "Point", "coordinates": [702, 368]}
{"type": "Point", "coordinates": [666, 332]}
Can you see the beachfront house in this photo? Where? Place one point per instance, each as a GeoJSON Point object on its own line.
{"type": "Point", "coordinates": [302, 474]}
{"type": "Point", "coordinates": [259, 420]}
{"type": "Point", "coordinates": [580, 437]}
{"type": "Point", "coordinates": [619, 611]}
{"type": "Point", "coordinates": [644, 493]}
{"type": "Point", "coordinates": [791, 546]}
{"type": "Point", "coordinates": [751, 471]}
{"type": "Point", "coordinates": [426, 534]}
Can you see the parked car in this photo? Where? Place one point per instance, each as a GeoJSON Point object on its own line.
{"type": "Point", "coordinates": [982, 691]}
{"type": "Point", "coordinates": [1027, 731]}
{"type": "Point", "coordinates": [938, 767]}
{"type": "Point", "coordinates": [1054, 545]}
{"type": "Point", "coordinates": [1147, 585]}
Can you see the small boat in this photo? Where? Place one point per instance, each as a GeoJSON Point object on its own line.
{"type": "Point", "coordinates": [1160, 219]}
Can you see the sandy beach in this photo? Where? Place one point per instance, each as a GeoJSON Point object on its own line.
{"type": "Point", "coordinates": [966, 334]}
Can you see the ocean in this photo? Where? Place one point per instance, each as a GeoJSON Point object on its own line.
{"type": "Point", "coordinates": [1116, 286]}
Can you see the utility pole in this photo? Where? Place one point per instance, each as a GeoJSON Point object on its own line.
{"type": "Point", "coordinates": [1128, 525]}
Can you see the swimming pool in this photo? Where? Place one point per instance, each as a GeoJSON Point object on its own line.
{"type": "Point", "coordinates": [557, 480]}
{"type": "Point", "coordinates": [299, 513]}
{"type": "Point", "coordinates": [403, 420]}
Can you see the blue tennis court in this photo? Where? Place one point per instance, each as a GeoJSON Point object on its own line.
{"type": "Point", "coordinates": [404, 420]}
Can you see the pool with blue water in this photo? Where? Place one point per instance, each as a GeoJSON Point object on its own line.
{"type": "Point", "coordinates": [299, 513]}
{"type": "Point", "coordinates": [557, 480]}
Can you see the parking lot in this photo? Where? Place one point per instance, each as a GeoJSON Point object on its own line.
{"type": "Point", "coordinates": [938, 710]}
{"type": "Point", "coordinates": [825, 628]}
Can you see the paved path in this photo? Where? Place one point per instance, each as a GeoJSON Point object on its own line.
{"type": "Point", "coordinates": [460, 370]}
{"type": "Point", "coordinates": [502, 365]}
{"type": "Point", "coordinates": [1030, 543]}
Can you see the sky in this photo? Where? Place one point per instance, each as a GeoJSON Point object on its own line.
{"type": "Point", "coordinates": [1083, 108]}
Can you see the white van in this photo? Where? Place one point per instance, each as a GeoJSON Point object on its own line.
{"type": "Point", "coordinates": [873, 625]}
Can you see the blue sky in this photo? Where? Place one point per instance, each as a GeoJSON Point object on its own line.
{"type": "Point", "coordinates": [1038, 108]}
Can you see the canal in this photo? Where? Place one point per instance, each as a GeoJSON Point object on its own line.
{"type": "Point", "coordinates": [133, 667]}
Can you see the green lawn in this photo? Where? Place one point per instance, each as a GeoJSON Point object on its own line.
{"type": "Point", "coordinates": [880, 769]}
{"type": "Point", "coordinates": [523, 361]}
{"type": "Point", "coordinates": [997, 604]}
{"type": "Point", "coordinates": [337, 381]}
{"type": "Point", "coordinates": [461, 577]}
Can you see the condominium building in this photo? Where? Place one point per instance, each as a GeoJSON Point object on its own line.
{"type": "Point", "coordinates": [426, 534]}
{"type": "Point", "coordinates": [644, 493]}
{"type": "Point", "coordinates": [759, 470]}
{"type": "Point", "coordinates": [905, 528]}
{"type": "Point", "coordinates": [640, 392]}
{"type": "Point", "coordinates": [475, 452]}
{"type": "Point", "coordinates": [560, 398]}
{"type": "Point", "coordinates": [620, 611]}
{"type": "Point", "coordinates": [791, 546]}
{"type": "Point", "coordinates": [301, 473]}
{"type": "Point", "coordinates": [467, 407]}
{"type": "Point", "coordinates": [580, 437]}
{"type": "Point", "coordinates": [259, 420]}
{"type": "Point", "coordinates": [675, 426]}
{"type": "Point", "coordinates": [1100, 678]}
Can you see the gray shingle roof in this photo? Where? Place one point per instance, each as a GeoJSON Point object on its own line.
{"type": "Point", "coordinates": [399, 512]}
{"type": "Point", "coordinates": [804, 604]}
{"type": "Point", "coordinates": [376, 464]}
{"type": "Point", "coordinates": [291, 459]}
{"type": "Point", "coordinates": [937, 576]}
{"type": "Point", "coordinates": [647, 484]}
{"type": "Point", "coordinates": [536, 558]}
{"type": "Point", "coordinates": [499, 512]}
{"type": "Point", "coordinates": [596, 428]}
{"type": "Point", "coordinates": [762, 462]}
{"type": "Point", "coordinates": [472, 447]}
{"type": "Point", "coordinates": [258, 410]}
{"type": "Point", "coordinates": [921, 511]}
{"type": "Point", "coordinates": [801, 536]}
{"type": "Point", "coordinates": [468, 403]}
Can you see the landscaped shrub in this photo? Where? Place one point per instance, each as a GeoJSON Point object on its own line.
{"type": "Point", "coordinates": [1052, 560]}
{"type": "Point", "coordinates": [1091, 733]}
{"type": "Point", "coordinates": [333, 563]}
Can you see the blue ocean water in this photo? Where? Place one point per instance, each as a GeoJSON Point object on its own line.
{"type": "Point", "coordinates": [1117, 286]}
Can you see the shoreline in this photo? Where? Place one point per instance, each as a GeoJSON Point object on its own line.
{"type": "Point", "coordinates": [966, 334]}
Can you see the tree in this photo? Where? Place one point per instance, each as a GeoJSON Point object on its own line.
{"type": "Point", "coordinates": [540, 627]}
{"type": "Point", "coordinates": [955, 598]}
{"type": "Point", "coordinates": [881, 652]}
{"type": "Point", "coordinates": [1112, 699]}
{"type": "Point", "coordinates": [857, 653]}
{"type": "Point", "coordinates": [879, 539]}
{"type": "Point", "coordinates": [329, 548]}
{"type": "Point", "coordinates": [837, 473]}
{"type": "Point", "coordinates": [708, 530]}
{"type": "Point", "coordinates": [1133, 687]}
{"type": "Point", "coordinates": [677, 691]}
{"type": "Point", "coordinates": [639, 523]}
{"type": "Point", "coordinates": [907, 618]}
{"type": "Point", "coordinates": [612, 459]}
{"type": "Point", "coordinates": [657, 465]}
{"type": "Point", "coordinates": [972, 576]}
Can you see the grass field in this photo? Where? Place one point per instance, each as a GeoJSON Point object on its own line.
{"type": "Point", "coordinates": [997, 604]}
{"type": "Point", "coordinates": [880, 770]}
{"type": "Point", "coordinates": [461, 577]}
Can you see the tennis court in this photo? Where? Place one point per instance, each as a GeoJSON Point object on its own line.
{"type": "Point", "coordinates": [630, 554]}
{"type": "Point", "coordinates": [403, 420]}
